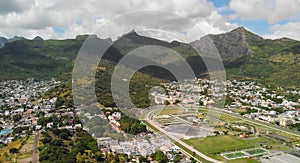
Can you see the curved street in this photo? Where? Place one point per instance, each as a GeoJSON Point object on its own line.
{"type": "Point", "coordinates": [147, 117]}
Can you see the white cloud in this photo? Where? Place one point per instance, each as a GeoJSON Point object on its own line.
{"type": "Point", "coordinates": [38, 17]}
{"type": "Point", "coordinates": [270, 10]}
{"type": "Point", "coordinates": [290, 30]}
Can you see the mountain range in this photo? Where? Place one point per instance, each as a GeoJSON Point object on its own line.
{"type": "Point", "coordinates": [245, 56]}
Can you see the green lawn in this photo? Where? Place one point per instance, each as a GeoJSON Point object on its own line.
{"type": "Point", "coordinates": [228, 118]}
{"type": "Point", "coordinates": [167, 111]}
{"type": "Point", "coordinates": [217, 144]}
{"type": "Point", "coordinates": [240, 110]}
{"type": "Point", "coordinates": [223, 117]}
{"type": "Point", "coordinates": [243, 160]}
{"type": "Point", "coordinates": [177, 144]}
{"type": "Point", "coordinates": [235, 155]}
{"type": "Point", "coordinates": [255, 151]}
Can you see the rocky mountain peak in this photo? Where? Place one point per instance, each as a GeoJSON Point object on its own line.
{"type": "Point", "coordinates": [233, 44]}
{"type": "Point", "coordinates": [16, 38]}
{"type": "Point", "coordinates": [38, 38]}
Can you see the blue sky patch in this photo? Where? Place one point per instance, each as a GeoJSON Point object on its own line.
{"type": "Point", "coordinates": [59, 30]}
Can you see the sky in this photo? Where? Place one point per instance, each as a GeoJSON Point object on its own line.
{"type": "Point", "coordinates": [170, 19]}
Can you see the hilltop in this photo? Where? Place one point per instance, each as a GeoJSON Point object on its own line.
{"type": "Point", "coordinates": [244, 54]}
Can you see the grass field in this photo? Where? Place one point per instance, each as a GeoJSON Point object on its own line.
{"type": "Point", "coordinates": [223, 117]}
{"type": "Point", "coordinates": [244, 153]}
{"type": "Point", "coordinates": [231, 118]}
{"type": "Point", "coordinates": [239, 110]}
{"type": "Point", "coordinates": [179, 145]}
{"type": "Point", "coordinates": [255, 152]}
{"type": "Point", "coordinates": [242, 160]}
{"type": "Point", "coordinates": [235, 155]}
{"type": "Point", "coordinates": [168, 111]}
{"type": "Point", "coordinates": [217, 144]}
{"type": "Point", "coordinates": [227, 118]}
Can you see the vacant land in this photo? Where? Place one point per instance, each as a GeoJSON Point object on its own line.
{"type": "Point", "coordinates": [5, 155]}
{"type": "Point", "coordinates": [167, 111]}
{"type": "Point", "coordinates": [240, 110]}
{"type": "Point", "coordinates": [26, 151]}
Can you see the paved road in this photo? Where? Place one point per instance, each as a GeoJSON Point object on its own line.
{"type": "Point", "coordinates": [35, 151]}
{"type": "Point", "coordinates": [147, 116]}
{"type": "Point", "coordinates": [263, 124]}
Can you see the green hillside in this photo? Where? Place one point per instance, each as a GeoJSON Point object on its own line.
{"type": "Point", "coordinates": [139, 87]}
{"type": "Point", "coordinates": [245, 56]}
{"type": "Point", "coordinates": [271, 61]}
{"type": "Point", "coordinates": [38, 59]}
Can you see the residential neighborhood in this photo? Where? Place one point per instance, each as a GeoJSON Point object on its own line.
{"type": "Point", "coordinates": [247, 98]}
{"type": "Point", "coordinates": [21, 101]}
{"type": "Point", "coordinates": [26, 110]}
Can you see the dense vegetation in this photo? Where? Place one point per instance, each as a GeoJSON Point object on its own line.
{"type": "Point", "coordinates": [272, 61]}
{"type": "Point", "coordinates": [129, 124]}
{"type": "Point", "coordinates": [38, 58]}
{"type": "Point", "coordinates": [139, 86]}
{"type": "Point", "coordinates": [160, 157]}
{"type": "Point", "coordinates": [60, 145]}
{"type": "Point", "coordinates": [63, 93]}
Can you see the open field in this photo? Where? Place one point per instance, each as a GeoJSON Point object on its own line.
{"type": "Point", "coordinates": [261, 127]}
{"type": "Point", "coordinates": [26, 150]}
{"type": "Point", "coordinates": [244, 153]}
{"type": "Point", "coordinates": [255, 152]}
{"type": "Point", "coordinates": [5, 155]}
{"type": "Point", "coordinates": [214, 146]}
{"type": "Point", "coordinates": [227, 118]}
{"type": "Point", "coordinates": [217, 144]}
{"type": "Point", "coordinates": [167, 111]}
{"type": "Point", "coordinates": [234, 155]}
{"type": "Point", "coordinates": [243, 160]}
{"type": "Point", "coordinates": [223, 117]}
{"type": "Point", "coordinates": [239, 110]}
{"type": "Point", "coordinates": [178, 144]}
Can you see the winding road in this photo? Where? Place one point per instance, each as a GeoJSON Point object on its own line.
{"type": "Point", "coordinates": [146, 117]}
{"type": "Point", "coordinates": [270, 126]}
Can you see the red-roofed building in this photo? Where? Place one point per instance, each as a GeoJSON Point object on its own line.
{"type": "Point", "coordinates": [244, 135]}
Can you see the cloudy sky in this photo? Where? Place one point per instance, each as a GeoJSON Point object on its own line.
{"type": "Point", "coordinates": [59, 19]}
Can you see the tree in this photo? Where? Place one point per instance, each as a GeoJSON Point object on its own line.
{"type": "Point", "coordinates": [17, 117]}
{"type": "Point", "coordinates": [159, 156]}
{"type": "Point", "coordinates": [167, 102]}
{"type": "Point", "coordinates": [87, 156]}
{"type": "Point", "coordinates": [46, 140]}
{"type": "Point", "coordinates": [177, 101]}
{"type": "Point", "coordinates": [177, 158]}
{"type": "Point", "coordinates": [193, 160]}
{"type": "Point", "coordinates": [142, 159]}
{"type": "Point", "coordinates": [201, 102]}
{"type": "Point", "coordinates": [13, 150]}
{"type": "Point", "coordinates": [64, 134]}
